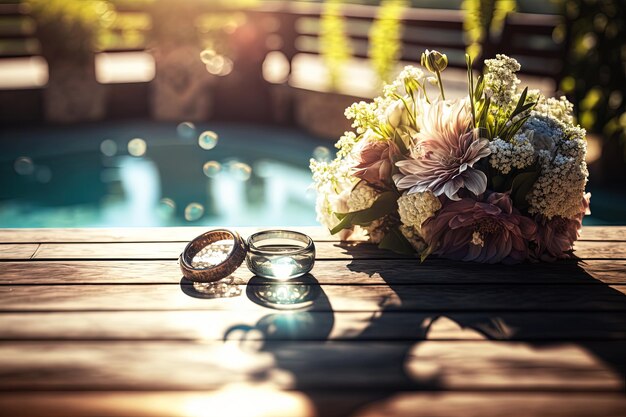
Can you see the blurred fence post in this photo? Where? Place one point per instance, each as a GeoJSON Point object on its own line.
{"type": "Point", "coordinates": [67, 36]}
{"type": "Point", "coordinates": [181, 88]}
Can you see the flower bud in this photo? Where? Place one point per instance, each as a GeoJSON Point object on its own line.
{"type": "Point", "coordinates": [434, 61]}
{"type": "Point", "coordinates": [394, 113]}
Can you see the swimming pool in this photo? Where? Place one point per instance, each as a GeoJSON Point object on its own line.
{"type": "Point", "coordinates": [157, 174]}
{"type": "Point", "coordinates": [128, 174]}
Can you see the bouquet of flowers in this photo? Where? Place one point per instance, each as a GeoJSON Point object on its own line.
{"type": "Point", "coordinates": [496, 176]}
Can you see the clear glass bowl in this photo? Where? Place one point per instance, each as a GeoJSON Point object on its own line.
{"type": "Point", "coordinates": [280, 254]}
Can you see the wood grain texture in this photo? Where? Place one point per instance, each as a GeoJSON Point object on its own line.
{"type": "Point", "coordinates": [429, 365]}
{"type": "Point", "coordinates": [297, 404]}
{"type": "Point", "coordinates": [374, 298]}
{"type": "Point", "coordinates": [114, 324]}
{"type": "Point", "coordinates": [184, 234]}
{"type": "Point", "coordinates": [324, 250]}
{"type": "Point", "coordinates": [312, 325]}
{"type": "Point", "coordinates": [432, 271]}
{"type": "Point", "coordinates": [139, 234]}
{"type": "Point", "coordinates": [17, 250]}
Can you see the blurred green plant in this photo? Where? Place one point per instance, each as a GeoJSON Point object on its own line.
{"type": "Point", "coordinates": [385, 38]}
{"type": "Point", "coordinates": [131, 25]}
{"type": "Point", "coordinates": [335, 45]}
{"type": "Point", "coordinates": [71, 30]}
{"type": "Point", "coordinates": [595, 66]}
{"type": "Point", "coordinates": [484, 19]}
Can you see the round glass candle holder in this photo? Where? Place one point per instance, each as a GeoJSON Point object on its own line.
{"type": "Point", "coordinates": [280, 254]}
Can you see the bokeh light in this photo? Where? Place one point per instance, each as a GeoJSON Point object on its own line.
{"type": "Point", "coordinates": [321, 153]}
{"type": "Point", "coordinates": [219, 65]}
{"type": "Point", "coordinates": [137, 147]}
{"type": "Point", "coordinates": [166, 208]}
{"type": "Point", "coordinates": [24, 165]}
{"type": "Point", "coordinates": [108, 147]}
{"type": "Point", "coordinates": [211, 168]}
{"type": "Point", "coordinates": [194, 211]}
{"type": "Point", "coordinates": [240, 171]}
{"type": "Point", "coordinates": [207, 140]}
{"type": "Point", "coordinates": [186, 130]}
{"type": "Point", "coordinates": [206, 55]}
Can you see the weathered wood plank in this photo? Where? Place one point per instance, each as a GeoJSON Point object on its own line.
{"type": "Point", "coordinates": [183, 234]}
{"type": "Point", "coordinates": [487, 297]}
{"type": "Point", "coordinates": [267, 401]}
{"type": "Point", "coordinates": [138, 234]}
{"type": "Point", "coordinates": [171, 250]}
{"type": "Point", "coordinates": [325, 250]}
{"type": "Point", "coordinates": [312, 325]}
{"type": "Point", "coordinates": [365, 271]}
{"type": "Point", "coordinates": [429, 365]}
{"type": "Point", "coordinates": [17, 250]}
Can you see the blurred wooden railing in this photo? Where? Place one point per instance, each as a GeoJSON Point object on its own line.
{"type": "Point", "coordinates": [294, 27]}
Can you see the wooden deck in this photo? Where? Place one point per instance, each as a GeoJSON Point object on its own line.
{"type": "Point", "coordinates": [99, 322]}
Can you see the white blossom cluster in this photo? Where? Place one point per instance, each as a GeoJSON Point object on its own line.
{"type": "Point", "coordinates": [501, 80]}
{"type": "Point", "coordinates": [346, 143]}
{"type": "Point", "coordinates": [560, 187]}
{"type": "Point", "coordinates": [333, 182]}
{"type": "Point", "coordinates": [408, 76]}
{"type": "Point", "coordinates": [560, 109]}
{"type": "Point", "coordinates": [362, 197]}
{"type": "Point", "coordinates": [518, 154]}
{"type": "Point", "coordinates": [415, 208]}
{"type": "Point", "coordinates": [363, 115]}
{"type": "Point", "coordinates": [561, 148]}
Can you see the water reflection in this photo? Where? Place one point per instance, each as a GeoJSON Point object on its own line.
{"type": "Point", "coordinates": [94, 177]}
{"type": "Point", "coordinates": [295, 294]}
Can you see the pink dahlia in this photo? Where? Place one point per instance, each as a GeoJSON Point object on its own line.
{"type": "Point", "coordinates": [487, 231]}
{"type": "Point", "coordinates": [556, 237]}
{"type": "Point", "coordinates": [445, 152]}
{"type": "Point", "coordinates": [376, 158]}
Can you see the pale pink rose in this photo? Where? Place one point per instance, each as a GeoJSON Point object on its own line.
{"type": "Point", "coordinates": [376, 159]}
{"type": "Point", "coordinates": [556, 237]}
{"type": "Point", "coordinates": [490, 230]}
{"type": "Point", "coordinates": [445, 152]}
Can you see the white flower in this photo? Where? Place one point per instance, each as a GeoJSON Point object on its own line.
{"type": "Point", "coordinates": [500, 78]}
{"type": "Point", "coordinates": [333, 182]}
{"type": "Point", "coordinates": [394, 113]}
{"type": "Point", "coordinates": [415, 208]}
{"type": "Point", "coordinates": [517, 154]}
{"type": "Point", "coordinates": [560, 109]}
{"type": "Point", "coordinates": [361, 197]}
{"type": "Point", "coordinates": [560, 187]}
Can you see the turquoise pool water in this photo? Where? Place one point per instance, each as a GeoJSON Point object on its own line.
{"type": "Point", "coordinates": [160, 174]}
{"type": "Point", "coordinates": [156, 174]}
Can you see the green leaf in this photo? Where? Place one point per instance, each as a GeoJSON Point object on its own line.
{"type": "Point", "coordinates": [386, 203]}
{"type": "Point", "coordinates": [520, 102]}
{"type": "Point", "coordinates": [480, 87]}
{"type": "Point", "coordinates": [395, 241]}
{"type": "Point", "coordinates": [345, 223]}
{"type": "Point", "coordinates": [521, 186]}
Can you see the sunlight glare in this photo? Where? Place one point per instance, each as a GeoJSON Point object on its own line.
{"type": "Point", "coordinates": [249, 400]}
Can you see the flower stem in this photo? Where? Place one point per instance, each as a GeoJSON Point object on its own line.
{"type": "Point", "coordinates": [443, 96]}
